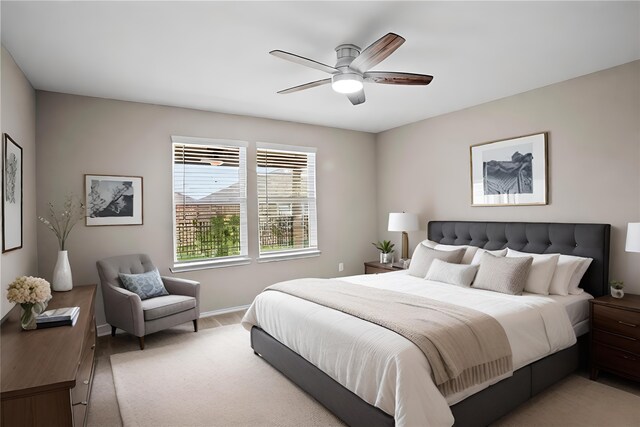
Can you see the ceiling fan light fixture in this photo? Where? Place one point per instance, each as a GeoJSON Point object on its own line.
{"type": "Point", "coordinates": [347, 83]}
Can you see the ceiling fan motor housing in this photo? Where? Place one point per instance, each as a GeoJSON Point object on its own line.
{"type": "Point", "coordinates": [346, 53]}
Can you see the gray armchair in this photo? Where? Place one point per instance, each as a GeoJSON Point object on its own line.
{"type": "Point", "coordinates": [125, 310]}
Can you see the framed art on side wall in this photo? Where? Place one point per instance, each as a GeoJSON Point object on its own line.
{"type": "Point", "coordinates": [11, 195]}
{"type": "Point", "coordinates": [113, 200]}
{"type": "Point", "coordinates": [510, 172]}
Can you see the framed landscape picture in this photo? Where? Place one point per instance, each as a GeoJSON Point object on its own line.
{"type": "Point", "coordinates": [113, 199]}
{"type": "Point", "coordinates": [11, 195]}
{"type": "Point", "coordinates": [510, 172]}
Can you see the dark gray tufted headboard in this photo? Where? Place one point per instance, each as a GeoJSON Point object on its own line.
{"type": "Point", "coordinates": [586, 240]}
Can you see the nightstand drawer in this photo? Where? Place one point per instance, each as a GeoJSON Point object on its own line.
{"type": "Point", "coordinates": [615, 340]}
{"type": "Point", "coordinates": [622, 322]}
{"type": "Point", "coordinates": [374, 267]}
{"type": "Point", "coordinates": [375, 270]}
{"type": "Point", "coordinates": [617, 360]}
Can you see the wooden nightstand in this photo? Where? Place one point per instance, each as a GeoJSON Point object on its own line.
{"type": "Point", "coordinates": [615, 336]}
{"type": "Point", "coordinates": [373, 267]}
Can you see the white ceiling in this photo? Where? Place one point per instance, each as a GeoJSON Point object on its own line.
{"type": "Point", "coordinates": [214, 55]}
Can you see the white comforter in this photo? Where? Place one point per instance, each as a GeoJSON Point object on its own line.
{"type": "Point", "coordinates": [385, 369]}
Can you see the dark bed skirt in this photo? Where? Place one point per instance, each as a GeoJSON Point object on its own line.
{"type": "Point", "coordinates": [479, 409]}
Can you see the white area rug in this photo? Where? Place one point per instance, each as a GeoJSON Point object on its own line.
{"type": "Point", "coordinates": [212, 378]}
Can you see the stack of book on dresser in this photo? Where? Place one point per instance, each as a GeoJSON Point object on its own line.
{"type": "Point", "coordinates": [66, 316]}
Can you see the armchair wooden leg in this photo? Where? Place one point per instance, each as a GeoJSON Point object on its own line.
{"type": "Point", "coordinates": [195, 325]}
{"type": "Point", "coordinates": [113, 331]}
{"type": "Point", "coordinates": [141, 339]}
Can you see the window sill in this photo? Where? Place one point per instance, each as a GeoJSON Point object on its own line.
{"type": "Point", "coordinates": [181, 267]}
{"type": "Point", "coordinates": [288, 256]}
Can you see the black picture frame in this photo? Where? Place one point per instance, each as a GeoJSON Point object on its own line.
{"type": "Point", "coordinates": [12, 195]}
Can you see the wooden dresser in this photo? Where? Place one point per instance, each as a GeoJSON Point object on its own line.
{"type": "Point", "coordinates": [615, 336]}
{"type": "Point", "coordinates": [47, 373]}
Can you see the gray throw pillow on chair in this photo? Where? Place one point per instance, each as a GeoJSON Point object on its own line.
{"type": "Point", "coordinates": [146, 285]}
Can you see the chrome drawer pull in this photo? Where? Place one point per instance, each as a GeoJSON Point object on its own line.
{"type": "Point", "coordinates": [628, 357]}
{"type": "Point", "coordinates": [627, 324]}
{"type": "Point", "coordinates": [85, 382]}
{"type": "Point", "coordinates": [93, 346]}
{"type": "Point", "coordinates": [84, 402]}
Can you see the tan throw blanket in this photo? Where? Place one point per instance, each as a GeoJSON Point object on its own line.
{"type": "Point", "coordinates": [464, 347]}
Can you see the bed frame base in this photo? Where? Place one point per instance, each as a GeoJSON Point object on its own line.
{"type": "Point", "coordinates": [479, 409]}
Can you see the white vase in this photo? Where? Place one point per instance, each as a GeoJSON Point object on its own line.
{"type": "Point", "coordinates": [617, 293]}
{"type": "Point", "coordinates": [62, 280]}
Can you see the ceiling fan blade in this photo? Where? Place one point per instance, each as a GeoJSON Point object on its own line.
{"type": "Point", "coordinates": [391, 78]}
{"type": "Point", "coordinates": [305, 86]}
{"type": "Point", "coordinates": [356, 97]}
{"type": "Point", "coordinates": [377, 52]}
{"type": "Point", "coordinates": [304, 61]}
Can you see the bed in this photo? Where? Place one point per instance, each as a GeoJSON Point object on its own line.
{"type": "Point", "coordinates": [355, 402]}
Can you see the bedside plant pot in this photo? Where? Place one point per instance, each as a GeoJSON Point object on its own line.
{"type": "Point", "coordinates": [386, 258]}
{"type": "Point", "coordinates": [617, 293]}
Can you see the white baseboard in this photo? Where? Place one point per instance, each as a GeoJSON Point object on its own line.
{"type": "Point", "coordinates": [223, 311]}
{"type": "Point", "coordinates": [105, 329]}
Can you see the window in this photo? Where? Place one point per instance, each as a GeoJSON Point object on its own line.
{"type": "Point", "coordinates": [209, 201]}
{"type": "Point", "coordinates": [287, 221]}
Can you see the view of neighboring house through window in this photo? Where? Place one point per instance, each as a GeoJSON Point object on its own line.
{"type": "Point", "coordinates": [286, 178]}
{"type": "Point", "coordinates": [209, 198]}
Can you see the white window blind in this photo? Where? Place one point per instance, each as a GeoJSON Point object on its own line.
{"type": "Point", "coordinates": [286, 199]}
{"type": "Point", "coordinates": [209, 199]}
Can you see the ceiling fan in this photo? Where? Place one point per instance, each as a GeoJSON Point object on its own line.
{"type": "Point", "coordinates": [352, 68]}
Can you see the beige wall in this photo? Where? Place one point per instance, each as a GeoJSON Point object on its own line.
{"type": "Point", "coordinates": [594, 150]}
{"type": "Point", "coordinates": [19, 121]}
{"type": "Point", "coordinates": [79, 135]}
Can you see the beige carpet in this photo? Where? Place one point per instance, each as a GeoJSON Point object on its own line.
{"type": "Point", "coordinates": [213, 379]}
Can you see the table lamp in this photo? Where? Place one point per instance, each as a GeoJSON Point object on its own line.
{"type": "Point", "coordinates": [633, 237]}
{"type": "Point", "coordinates": [403, 222]}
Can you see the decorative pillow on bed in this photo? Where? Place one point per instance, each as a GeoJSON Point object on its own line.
{"type": "Point", "coordinates": [567, 266]}
{"type": "Point", "coordinates": [574, 283]}
{"type": "Point", "coordinates": [541, 272]}
{"type": "Point", "coordinates": [429, 243]}
{"type": "Point", "coordinates": [424, 256]}
{"type": "Point", "coordinates": [454, 274]}
{"type": "Point", "coordinates": [470, 251]}
{"type": "Point", "coordinates": [146, 285]}
{"type": "Point", "coordinates": [478, 255]}
{"type": "Point", "coordinates": [502, 274]}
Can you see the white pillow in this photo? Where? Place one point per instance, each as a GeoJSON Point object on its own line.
{"type": "Point", "coordinates": [468, 253]}
{"type": "Point", "coordinates": [541, 272]}
{"type": "Point", "coordinates": [478, 256]}
{"type": "Point", "coordinates": [428, 243]}
{"type": "Point", "coordinates": [565, 269]}
{"type": "Point", "coordinates": [574, 283]}
{"type": "Point", "coordinates": [454, 274]}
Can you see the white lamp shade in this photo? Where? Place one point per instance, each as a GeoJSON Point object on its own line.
{"type": "Point", "coordinates": [633, 237]}
{"type": "Point", "coordinates": [403, 222]}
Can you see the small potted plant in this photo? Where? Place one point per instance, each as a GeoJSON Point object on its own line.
{"type": "Point", "coordinates": [386, 251]}
{"type": "Point", "coordinates": [616, 288]}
